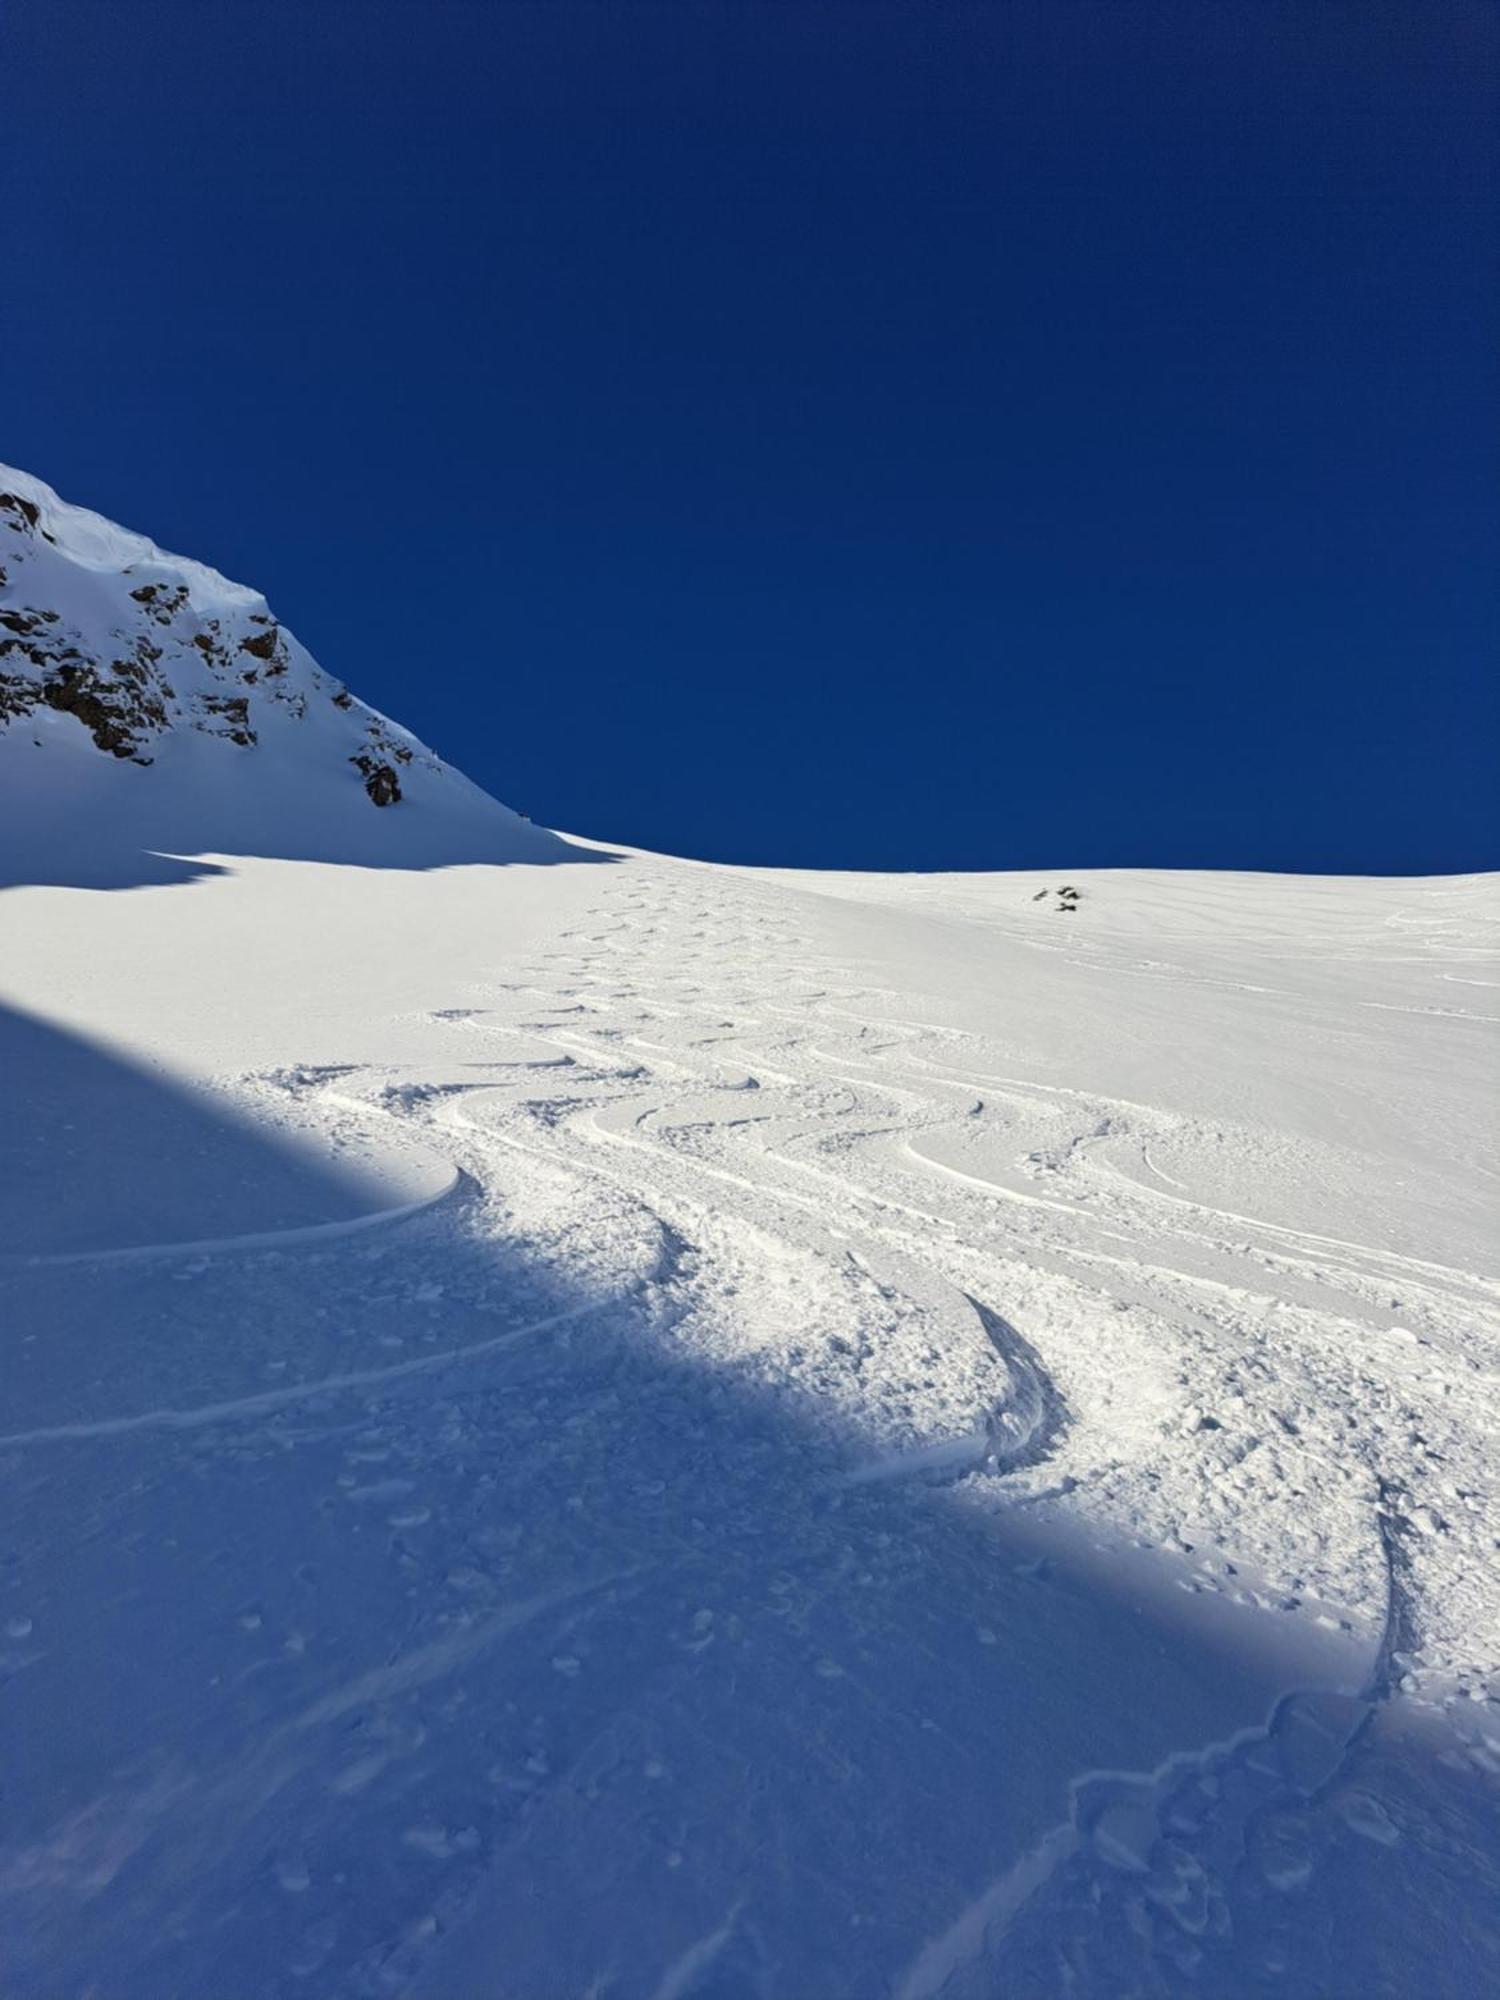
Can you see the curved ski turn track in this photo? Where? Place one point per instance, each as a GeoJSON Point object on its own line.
{"type": "Point", "coordinates": [934, 1445]}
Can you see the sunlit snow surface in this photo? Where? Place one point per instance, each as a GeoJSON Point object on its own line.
{"type": "Point", "coordinates": [585, 1425]}
{"type": "Point", "coordinates": [702, 1433]}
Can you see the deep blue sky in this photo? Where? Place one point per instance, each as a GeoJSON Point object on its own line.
{"type": "Point", "coordinates": [895, 436]}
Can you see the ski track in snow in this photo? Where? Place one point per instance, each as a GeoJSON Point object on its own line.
{"type": "Point", "coordinates": [738, 1226]}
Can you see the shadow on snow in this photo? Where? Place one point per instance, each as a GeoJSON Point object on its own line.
{"type": "Point", "coordinates": [395, 1612]}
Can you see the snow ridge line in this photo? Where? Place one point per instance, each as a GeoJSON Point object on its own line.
{"type": "Point", "coordinates": [1398, 1634]}
{"type": "Point", "coordinates": [302, 1392]}
{"type": "Point", "coordinates": [1332, 1724]}
{"type": "Point", "coordinates": [458, 1183]}
{"type": "Point", "coordinates": [982, 1925]}
{"type": "Point", "coordinates": [1026, 1430]}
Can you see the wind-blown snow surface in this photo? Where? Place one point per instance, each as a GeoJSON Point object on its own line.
{"type": "Point", "coordinates": [655, 1431]}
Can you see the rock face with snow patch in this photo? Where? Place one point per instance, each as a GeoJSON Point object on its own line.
{"type": "Point", "coordinates": [118, 660]}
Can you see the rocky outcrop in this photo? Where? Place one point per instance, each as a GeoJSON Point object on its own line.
{"type": "Point", "coordinates": [381, 782]}
{"type": "Point", "coordinates": [135, 646]}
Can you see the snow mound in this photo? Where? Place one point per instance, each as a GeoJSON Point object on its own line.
{"type": "Point", "coordinates": [149, 705]}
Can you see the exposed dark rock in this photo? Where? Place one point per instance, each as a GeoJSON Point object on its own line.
{"type": "Point", "coordinates": [17, 696]}
{"type": "Point", "coordinates": [160, 601]}
{"type": "Point", "coordinates": [26, 512]}
{"type": "Point", "coordinates": [381, 782]}
{"type": "Point", "coordinates": [235, 711]}
{"type": "Point", "coordinates": [80, 692]}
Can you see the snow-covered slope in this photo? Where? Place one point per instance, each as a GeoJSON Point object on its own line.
{"type": "Point", "coordinates": [691, 1432]}
{"type": "Point", "coordinates": [148, 704]}
{"type": "Point", "coordinates": [675, 1433]}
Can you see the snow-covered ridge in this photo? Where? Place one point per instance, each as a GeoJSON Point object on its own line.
{"type": "Point", "coordinates": [101, 625]}
{"type": "Point", "coordinates": [118, 659]}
